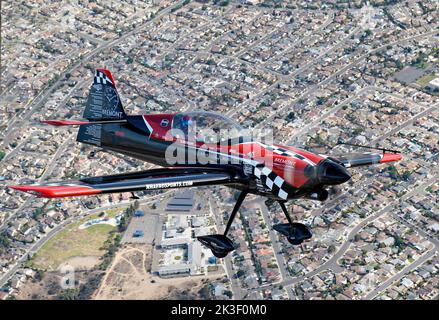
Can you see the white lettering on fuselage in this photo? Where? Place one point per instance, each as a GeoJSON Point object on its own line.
{"type": "Point", "coordinates": [169, 185]}
{"type": "Point", "coordinates": [284, 161]}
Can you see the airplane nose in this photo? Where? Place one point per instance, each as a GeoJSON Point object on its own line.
{"type": "Point", "coordinates": [331, 173]}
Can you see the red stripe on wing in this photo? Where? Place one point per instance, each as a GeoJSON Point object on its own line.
{"type": "Point", "coordinates": [65, 122]}
{"type": "Point", "coordinates": [390, 157]}
{"type": "Point", "coordinates": [57, 191]}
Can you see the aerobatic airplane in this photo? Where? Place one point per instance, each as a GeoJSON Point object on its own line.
{"type": "Point", "coordinates": [235, 160]}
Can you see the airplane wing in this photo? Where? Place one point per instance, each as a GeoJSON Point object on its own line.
{"type": "Point", "coordinates": [365, 159]}
{"type": "Point", "coordinates": [155, 179]}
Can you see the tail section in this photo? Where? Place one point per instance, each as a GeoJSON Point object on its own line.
{"type": "Point", "coordinates": [59, 123]}
{"type": "Point", "coordinates": [103, 106]}
{"type": "Point", "coordinates": [103, 102]}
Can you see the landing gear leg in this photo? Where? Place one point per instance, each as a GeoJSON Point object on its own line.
{"type": "Point", "coordinates": [220, 244]}
{"type": "Point", "coordinates": [295, 232]}
{"type": "Point", "coordinates": [238, 204]}
{"type": "Point", "coordinates": [133, 196]}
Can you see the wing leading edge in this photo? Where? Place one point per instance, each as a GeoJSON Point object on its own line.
{"type": "Point", "coordinates": [155, 179]}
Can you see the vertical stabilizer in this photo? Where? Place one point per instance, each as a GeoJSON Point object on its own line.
{"type": "Point", "coordinates": [103, 104]}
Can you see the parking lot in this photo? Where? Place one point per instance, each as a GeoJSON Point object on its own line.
{"type": "Point", "coordinates": [147, 224]}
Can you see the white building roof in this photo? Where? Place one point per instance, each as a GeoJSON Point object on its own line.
{"type": "Point", "coordinates": [434, 83]}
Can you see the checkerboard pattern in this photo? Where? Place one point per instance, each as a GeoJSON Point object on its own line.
{"type": "Point", "coordinates": [272, 181]}
{"type": "Point", "coordinates": [101, 77]}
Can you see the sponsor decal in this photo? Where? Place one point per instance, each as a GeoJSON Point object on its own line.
{"type": "Point", "coordinates": [111, 113]}
{"type": "Point", "coordinates": [164, 123]}
{"type": "Point", "coordinates": [284, 161]}
{"type": "Point", "coordinates": [112, 96]}
{"type": "Point", "coordinates": [169, 185]}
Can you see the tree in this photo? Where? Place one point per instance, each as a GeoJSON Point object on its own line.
{"type": "Point", "coordinates": [228, 293]}
{"type": "Point", "coordinates": [2, 155]}
{"type": "Point", "coordinates": [4, 241]}
{"type": "Point", "coordinates": [240, 273]}
{"type": "Point", "coordinates": [204, 292]}
{"type": "Point", "coordinates": [393, 173]}
{"type": "Point", "coordinates": [37, 212]}
{"type": "Point", "coordinates": [399, 242]}
{"type": "Point", "coordinates": [406, 175]}
{"type": "Point", "coordinates": [291, 116]}
{"type": "Point", "coordinates": [321, 101]}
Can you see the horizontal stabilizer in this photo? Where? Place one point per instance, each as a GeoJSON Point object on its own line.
{"type": "Point", "coordinates": [79, 122]}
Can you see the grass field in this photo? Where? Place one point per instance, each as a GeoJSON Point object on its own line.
{"type": "Point", "coordinates": [426, 79]}
{"type": "Point", "coordinates": [73, 242]}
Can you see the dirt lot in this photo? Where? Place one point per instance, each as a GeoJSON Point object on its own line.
{"type": "Point", "coordinates": [48, 286]}
{"type": "Point", "coordinates": [129, 277]}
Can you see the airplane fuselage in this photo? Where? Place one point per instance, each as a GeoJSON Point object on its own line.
{"type": "Point", "coordinates": [149, 138]}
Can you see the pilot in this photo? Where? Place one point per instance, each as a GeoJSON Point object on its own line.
{"type": "Point", "coordinates": [186, 125]}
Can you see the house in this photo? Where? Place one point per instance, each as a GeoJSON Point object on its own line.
{"type": "Point", "coordinates": [406, 282]}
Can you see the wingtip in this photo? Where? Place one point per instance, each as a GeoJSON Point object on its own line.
{"type": "Point", "coordinates": [27, 189]}
{"type": "Point", "coordinates": [64, 122]}
{"type": "Point", "coordinates": [391, 157]}
{"type": "Point", "coordinates": [56, 191]}
{"type": "Point", "coordinates": [19, 188]}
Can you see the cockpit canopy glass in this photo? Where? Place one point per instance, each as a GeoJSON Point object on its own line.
{"type": "Point", "coordinates": [206, 127]}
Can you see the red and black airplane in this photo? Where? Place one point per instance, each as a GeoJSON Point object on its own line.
{"type": "Point", "coordinates": [209, 157]}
